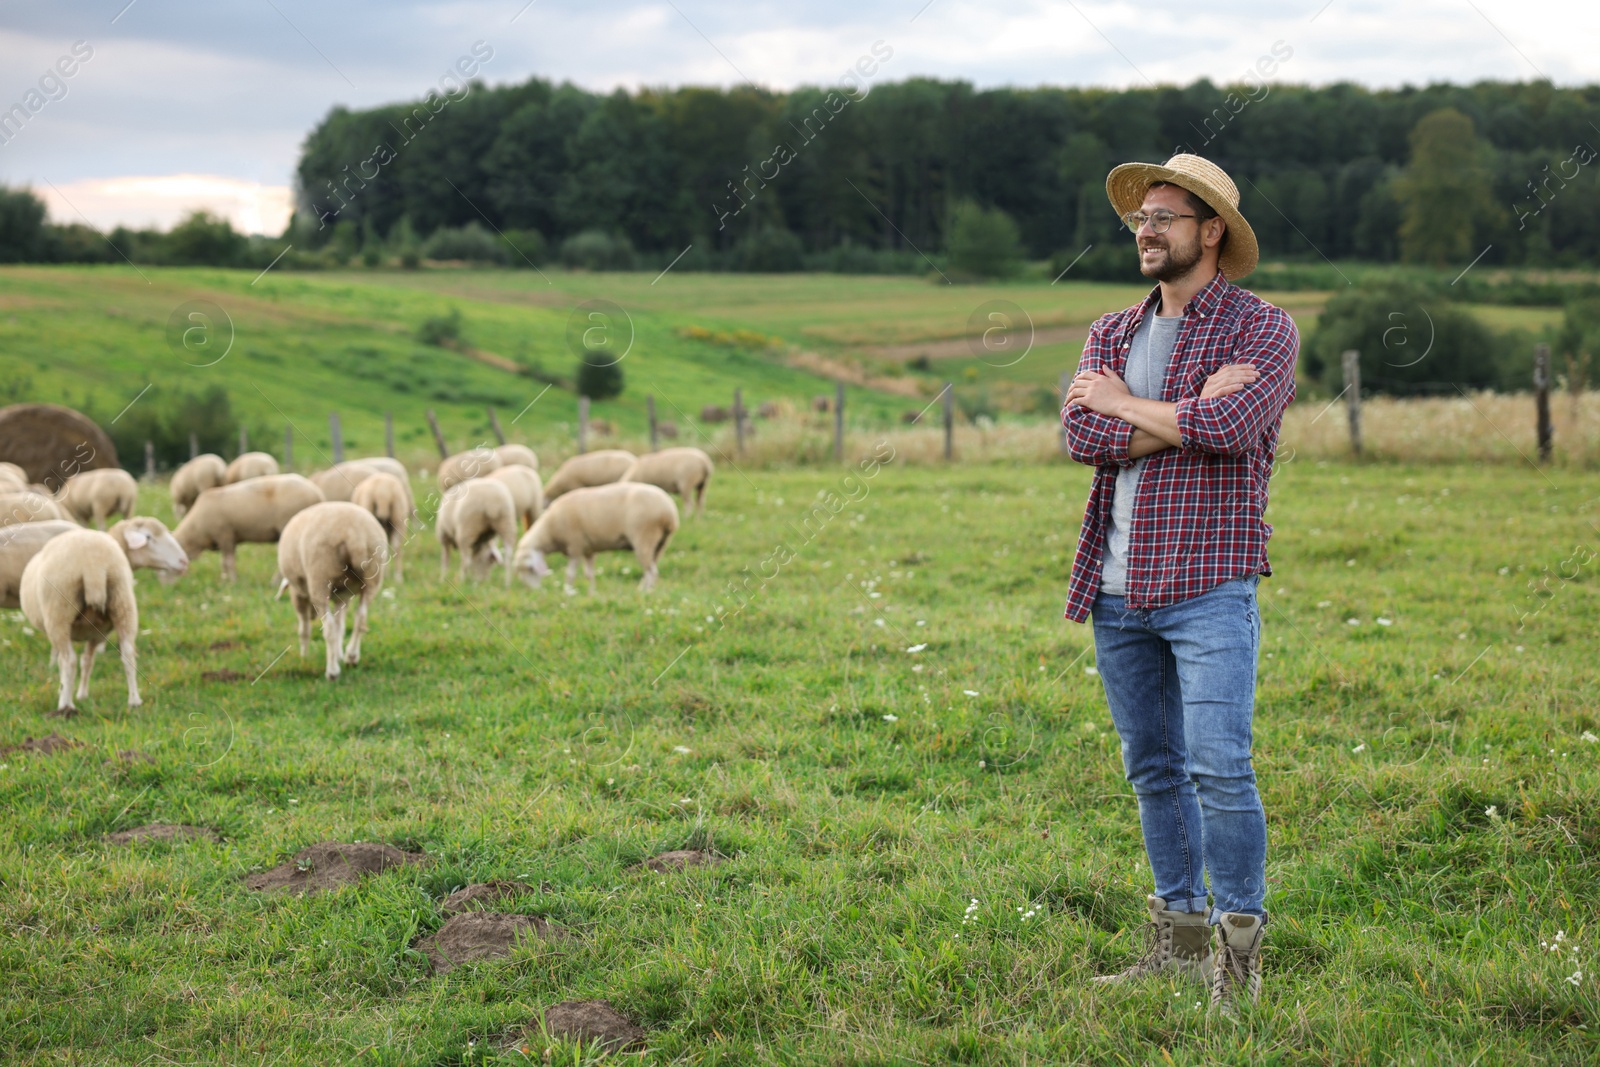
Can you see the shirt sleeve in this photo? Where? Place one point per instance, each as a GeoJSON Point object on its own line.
{"type": "Point", "coordinates": [1234, 424]}
{"type": "Point", "coordinates": [1092, 437]}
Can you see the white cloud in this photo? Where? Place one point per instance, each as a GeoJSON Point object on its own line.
{"type": "Point", "coordinates": [161, 201]}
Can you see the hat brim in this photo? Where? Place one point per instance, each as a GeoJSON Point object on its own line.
{"type": "Point", "coordinates": [1127, 184]}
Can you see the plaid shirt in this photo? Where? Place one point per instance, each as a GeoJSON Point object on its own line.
{"type": "Point", "coordinates": [1197, 519]}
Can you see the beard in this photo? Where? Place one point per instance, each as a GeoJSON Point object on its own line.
{"type": "Point", "coordinates": [1178, 262]}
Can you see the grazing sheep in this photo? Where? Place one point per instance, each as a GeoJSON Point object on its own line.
{"type": "Point", "coordinates": [255, 510]}
{"type": "Point", "coordinates": [466, 465]}
{"type": "Point", "coordinates": [250, 465]}
{"type": "Point", "coordinates": [590, 468]}
{"type": "Point", "coordinates": [79, 587]}
{"type": "Point", "coordinates": [339, 483]}
{"type": "Point", "coordinates": [329, 554]}
{"type": "Point", "coordinates": [685, 471]}
{"type": "Point", "coordinates": [604, 518]}
{"type": "Point", "coordinates": [19, 544]}
{"type": "Point", "coordinates": [517, 455]}
{"type": "Point", "coordinates": [473, 514]}
{"type": "Point", "coordinates": [28, 506]}
{"type": "Point", "coordinates": [527, 495]}
{"type": "Point", "coordinates": [386, 498]}
{"type": "Point", "coordinates": [94, 495]}
{"type": "Point", "coordinates": [388, 465]}
{"type": "Point", "coordinates": [12, 477]}
{"type": "Point", "coordinates": [203, 472]}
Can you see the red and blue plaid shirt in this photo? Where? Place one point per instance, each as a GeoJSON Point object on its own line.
{"type": "Point", "coordinates": [1197, 519]}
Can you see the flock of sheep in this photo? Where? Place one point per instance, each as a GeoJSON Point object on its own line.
{"type": "Point", "coordinates": [339, 534]}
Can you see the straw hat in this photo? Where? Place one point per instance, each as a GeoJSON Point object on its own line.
{"type": "Point", "coordinates": [1127, 184]}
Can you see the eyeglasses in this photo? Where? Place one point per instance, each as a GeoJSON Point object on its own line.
{"type": "Point", "coordinates": [1160, 221]}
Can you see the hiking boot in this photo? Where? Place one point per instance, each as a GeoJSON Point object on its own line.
{"type": "Point", "coordinates": [1236, 977]}
{"type": "Point", "coordinates": [1179, 944]}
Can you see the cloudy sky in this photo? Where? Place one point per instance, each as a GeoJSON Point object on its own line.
{"type": "Point", "coordinates": [174, 104]}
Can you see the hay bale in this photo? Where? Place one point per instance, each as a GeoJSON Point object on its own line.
{"type": "Point", "coordinates": [52, 443]}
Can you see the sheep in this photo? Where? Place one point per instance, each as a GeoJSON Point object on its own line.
{"type": "Point", "coordinates": [473, 514]}
{"type": "Point", "coordinates": [12, 477]}
{"type": "Point", "coordinates": [250, 465]}
{"type": "Point", "coordinates": [388, 465]}
{"type": "Point", "coordinates": [339, 483]}
{"type": "Point", "coordinates": [146, 541]}
{"type": "Point", "coordinates": [329, 554]}
{"type": "Point", "coordinates": [93, 495]}
{"type": "Point", "coordinates": [685, 471]}
{"type": "Point", "coordinates": [386, 498]}
{"type": "Point", "coordinates": [203, 472]}
{"type": "Point", "coordinates": [19, 544]}
{"type": "Point", "coordinates": [464, 465]}
{"type": "Point", "coordinates": [590, 468]}
{"type": "Point", "coordinates": [600, 519]}
{"type": "Point", "coordinates": [526, 493]}
{"type": "Point", "coordinates": [255, 510]}
{"type": "Point", "coordinates": [28, 506]}
{"type": "Point", "coordinates": [78, 587]}
{"type": "Point", "coordinates": [517, 455]}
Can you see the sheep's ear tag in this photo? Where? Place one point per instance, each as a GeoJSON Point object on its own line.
{"type": "Point", "coordinates": [136, 539]}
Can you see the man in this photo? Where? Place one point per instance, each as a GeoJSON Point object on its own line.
{"type": "Point", "coordinates": [1177, 404]}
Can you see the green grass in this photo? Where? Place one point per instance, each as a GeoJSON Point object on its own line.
{"type": "Point", "coordinates": [1434, 812]}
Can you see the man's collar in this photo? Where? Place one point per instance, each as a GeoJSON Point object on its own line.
{"type": "Point", "coordinates": [1205, 302]}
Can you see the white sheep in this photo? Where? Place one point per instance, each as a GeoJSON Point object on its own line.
{"type": "Point", "coordinates": [386, 498]}
{"type": "Point", "coordinates": [517, 455]}
{"type": "Point", "coordinates": [250, 465]}
{"type": "Point", "coordinates": [146, 541]}
{"type": "Point", "coordinates": [685, 471]}
{"type": "Point", "coordinates": [205, 471]}
{"type": "Point", "coordinates": [604, 518]}
{"type": "Point", "coordinates": [329, 554]}
{"type": "Point", "coordinates": [589, 468]}
{"type": "Point", "coordinates": [79, 587]}
{"type": "Point", "coordinates": [527, 495]}
{"type": "Point", "coordinates": [91, 496]}
{"type": "Point", "coordinates": [253, 511]}
{"type": "Point", "coordinates": [28, 506]}
{"type": "Point", "coordinates": [12, 477]}
{"type": "Point", "coordinates": [339, 483]}
{"type": "Point", "coordinates": [474, 463]}
{"type": "Point", "coordinates": [471, 517]}
{"type": "Point", "coordinates": [388, 465]}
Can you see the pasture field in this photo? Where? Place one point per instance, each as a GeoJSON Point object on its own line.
{"type": "Point", "coordinates": [926, 866]}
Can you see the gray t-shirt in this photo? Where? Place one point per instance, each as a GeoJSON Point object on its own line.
{"type": "Point", "coordinates": [1148, 357]}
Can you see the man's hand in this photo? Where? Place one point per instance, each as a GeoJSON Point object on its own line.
{"type": "Point", "coordinates": [1103, 392]}
{"type": "Point", "coordinates": [1228, 380]}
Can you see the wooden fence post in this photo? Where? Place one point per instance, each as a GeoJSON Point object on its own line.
{"type": "Point", "coordinates": [583, 425]}
{"type": "Point", "coordinates": [438, 438]}
{"type": "Point", "coordinates": [838, 421]}
{"type": "Point", "coordinates": [194, 446]}
{"type": "Point", "coordinates": [244, 440]}
{"type": "Point", "coordinates": [650, 406]}
{"type": "Point", "coordinates": [1352, 397]}
{"type": "Point", "coordinates": [494, 424]}
{"type": "Point", "coordinates": [949, 420]}
{"type": "Point", "coordinates": [1541, 398]}
{"type": "Point", "coordinates": [1061, 429]}
{"type": "Point", "coordinates": [288, 447]}
{"type": "Point", "coordinates": [336, 435]}
{"type": "Point", "coordinates": [149, 461]}
{"type": "Point", "coordinates": [388, 434]}
{"type": "Point", "coordinates": [738, 418]}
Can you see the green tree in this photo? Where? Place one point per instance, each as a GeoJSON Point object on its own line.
{"type": "Point", "coordinates": [205, 240]}
{"type": "Point", "coordinates": [599, 375]}
{"type": "Point", "coordinates": [1445, 192]}
{"type": "Point", "coordinates": [23, 238]}
{"type": "Point", "coordinates": [984, 242]}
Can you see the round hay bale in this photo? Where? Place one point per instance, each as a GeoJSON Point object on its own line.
{"type": "Point", "coordinates": [52, 443]}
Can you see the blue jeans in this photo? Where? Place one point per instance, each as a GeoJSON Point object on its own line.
{"type": "Point", "coordinates": [1181, 683]}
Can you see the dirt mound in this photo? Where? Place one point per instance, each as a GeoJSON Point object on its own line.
{"type": "Point", "coordinates": [479, 895]}
{"type": "Point", "coordinates": [218, 646]}
{"type": "Point", "coordinates": [476, 935]}
{"type": "Point", "coordinates": [329, 865]}
{"type": "Point", "coordinates": [127, 757]}
{"type": "Point", "coordinates": [678, 859]}
{"type": "Point", "coordinates": [224, 675]}
{"type": "Point", "coordinates": [44, 746]}
{"type": "Point", "coordinates": [52, 443]}
{"type": "Point", "coordinates": [594, 1022]}
{"type": "Point", "coordinates": [160, 831]}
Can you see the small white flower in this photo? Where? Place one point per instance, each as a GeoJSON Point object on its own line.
{"type": "Point", "coordinates": [1352, 622]}
{"type": "Point", "coordinates": [28, 630]}
{"type": "Point", "coordinates": [1349, 563]}
{"type": "Point", "coordinates": [917, 648]}
{"type": "Point", "coordinates": [1362, 747]}
{"type": "Point", "coordinates": [982, 764]}
{"type": "Point", "coordinates": [1588, 735]}
{"type": "Point", "coordinates": [611, 781]}
{"type": "Point", "coordinates": [387, 594]}
{"type": "Point", "coordinates": [1575, 977]}
{"type": "Point", "coordinates": [1091, 670]}
{"type": "Point", "coordinates": [1493, 811]}
{"type": "Point", "coordinates": [1503, 570]}
{"type": "Point", "coordinates": [1324, 603]}
{"type": "Point", "coordinates": [922, 622]}
{"type": "Point", "coordinates": [891, 718]}
{"type": "Point", "coordinates": [1385, 622]}
{"type": "Point", "coordinates": [970, 692]}
{"type": "Point", "coordinates": [916, 666]}
{"type": "Point", "coordinates": [879, 622]}
{"type": "Point", "coordinates": [683, 750]}
{"type": "Point", "coordinates": [874, 594]}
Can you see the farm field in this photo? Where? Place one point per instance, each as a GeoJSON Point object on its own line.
{"type": "Point", "coordinates": [929, 853]}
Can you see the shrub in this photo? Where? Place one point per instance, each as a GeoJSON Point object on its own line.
{"type": "Point", "coordinates": [204, 240]}
{"type": "Point", "coordinates": [770, 249]}
{"type": "Point", "coordinates": [597, 250]}
{"type": "Point", "coordinates": [166, 419]}
{"type": "Point", "coordinates": [441, 330]}
{"type": "Point", "coordinates": [599, 376]}
{"type": "Point", "coordinates": [984, 242]}
{"type": "Point", "coordinates": [470, 243]}
{"type": "Point", "coordinates": [525, 248]}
